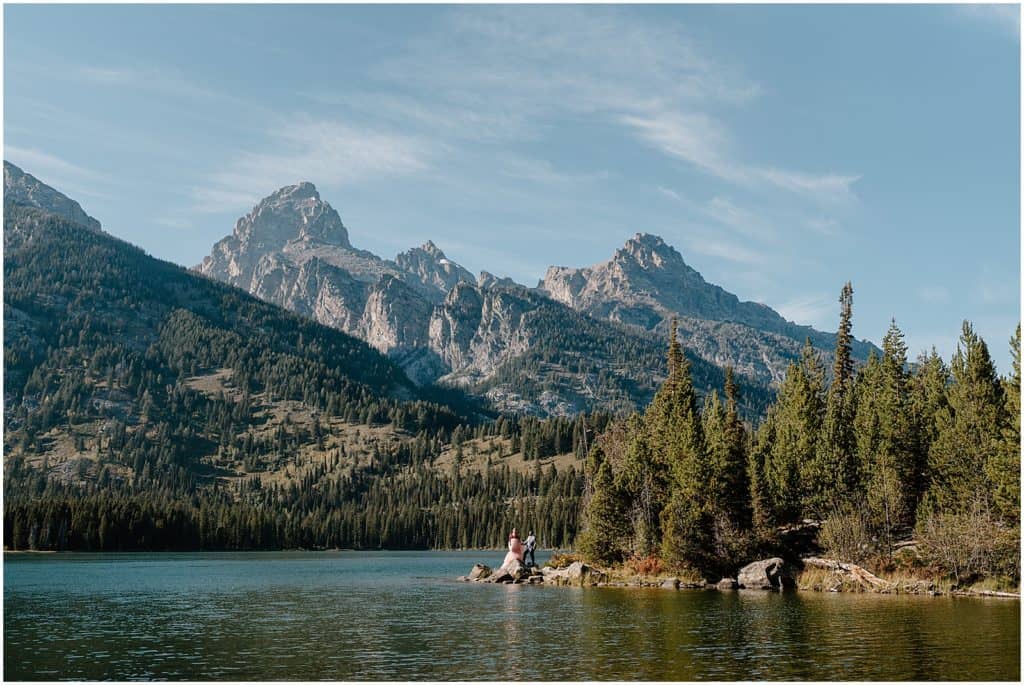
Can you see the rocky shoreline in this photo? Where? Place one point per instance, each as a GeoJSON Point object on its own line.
{"type": "Point", "coordinates": [773, 574]}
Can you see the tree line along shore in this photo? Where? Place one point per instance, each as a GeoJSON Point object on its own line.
{"type": "Point", "coordinates": [911, 471]}
{"type": "Point", "coordinates": [908, 469]}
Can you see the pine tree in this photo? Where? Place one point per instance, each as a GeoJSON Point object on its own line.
{"type": "Point", "coordinates": [737, 479]}
{"type": "Point", "coordinates": [927, 398]}
{"type": "Point", "coordinates": [885, 439]}
{"type": "Point", "coordinates": [833, 474]}
{"type": "Point", "coordinates": [675, 431]}
{"type": "Point", "coordinates": [725, 443]}
{"type": "Point", "coordinates": [796, 427]}
{"type": "Point", "coordinates": [1003, 466]}
{"type": "Point", "coordinates": [762, 512]}
{"type": "Point", "coordinates": [644, 481]}
{"type": "Point", "coordinates": [968, 429]}
{"type": "Point", "coordinates": [605, 525]}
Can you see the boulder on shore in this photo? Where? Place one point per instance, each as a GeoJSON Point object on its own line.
{"type": "Point", "coordinates": [727, 584]}
{"type": "Point", "coordinates": [509, 573]}
{"type": "Point", "coordinates": [767, 574]}
{"type": "Point", "coordinates": [576, 573]}
{"type": "Point", "coordinates": [479, 572]}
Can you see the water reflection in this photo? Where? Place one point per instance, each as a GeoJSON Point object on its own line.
{"type": "Point", "coordinates": [398, 616]}
{"type": "Point", "coordinates": [513, 617]}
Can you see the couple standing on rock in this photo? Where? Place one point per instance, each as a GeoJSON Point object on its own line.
{"type": "Point", "coordinates": [517, 549]}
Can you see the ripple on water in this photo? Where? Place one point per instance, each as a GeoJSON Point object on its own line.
{"type": "Point", "coordinates": [397, 616]}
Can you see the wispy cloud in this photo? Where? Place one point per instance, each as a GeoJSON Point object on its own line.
{"type": "Point", "coordinates": [744, 221]}
{"type": "Point", "coordinates": [163, 81]}
{"type": "Point", "coordinates": [514, 71]}
{"type": "Point", "coordinates": [728, 251]}
{"type": "Point", "coordinates": [672, 194]}
{"type": "Point", "coordinates": [702, 141]}
{"type": "Point", "coordinates": [544, 172]}
{"type": "Point", "coordinates": [55, 171]}
{"type": "Point", "coordinates": [1003, 17]}
{"type": "Point", "coordinates": [328, 152]}
{"type": "Point", "coordinates": [814, 310]}
{"type": "Point", "coordinates": [491, 74]}
{"type": "Point", "coordinates": [566, 58]}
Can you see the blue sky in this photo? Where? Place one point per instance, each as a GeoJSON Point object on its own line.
{"type": "Point", "coordinates": [782, 150]}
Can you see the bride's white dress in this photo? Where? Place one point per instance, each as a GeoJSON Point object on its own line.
{"type": "Point", "coordinates": [515, 552]}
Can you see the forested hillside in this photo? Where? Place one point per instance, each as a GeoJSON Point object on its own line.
{"type": "Point", "coordinates": [150, 408]}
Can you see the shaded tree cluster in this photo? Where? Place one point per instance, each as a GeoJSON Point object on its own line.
{"type": "Point", "coordinates": [890, 450]}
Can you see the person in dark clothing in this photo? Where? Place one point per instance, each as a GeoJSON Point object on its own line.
{"type": "Point", "coordinates": [531, 544]}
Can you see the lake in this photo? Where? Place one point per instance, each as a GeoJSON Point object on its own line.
{"type": "Point", "coordinates": [401, 615]}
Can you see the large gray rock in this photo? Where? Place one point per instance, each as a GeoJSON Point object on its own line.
{"type": "Point", "coordinates": [767, 574]}
{"type": "Point", "coordinates": [509, 573]}
{"type": "Point", "coordinates": [576, 573]}
{"type": "Point", "coordinates": [479, 572]}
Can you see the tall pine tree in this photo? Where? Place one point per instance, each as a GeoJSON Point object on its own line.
{"type": "Point", "coordinates": [675, 431]}
{"type": "Point", "coordinates": [968, 429]}
{"type": "Point", "coordinates": [789, 459]}
{"type": "Point", "coordinates": [1003, 466]}
{"type": "Point", "coordinates": [833, 475]}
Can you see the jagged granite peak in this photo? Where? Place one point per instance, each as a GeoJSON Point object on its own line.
{"type": "Point", "coordinates": [293, 222]}
{"type": "Point", "coordinates": [489, 280]}
{"type": "Point", "coordinates": [25, 189]}
{"type": "Point", "coordinates": [650, 251]}
{"type": "Point", "coordinates": [430, 265]}
{"type": "Point", "coordinates": [647, 281]}
{"type": "Point", "coordinates": [293, 213]}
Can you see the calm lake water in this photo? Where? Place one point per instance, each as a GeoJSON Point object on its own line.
{"type": "Point", "coordinates": [401, 615]}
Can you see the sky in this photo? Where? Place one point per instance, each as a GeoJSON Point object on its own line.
{"type": "Point", "coordinates": [783, 150]}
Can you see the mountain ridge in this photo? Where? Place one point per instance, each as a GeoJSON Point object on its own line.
{"type": "Point", "coordinates": [23, 188]}
{"type": "Point", "coordinates": [404, 307]}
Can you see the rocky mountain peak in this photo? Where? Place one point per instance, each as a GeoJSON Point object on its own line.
{"type": "Point", "coordinates": [429, 263]}
{"type": "Point", "coordinates": [293, 212]}
{"type": "Point", "coordinates": [433, 250]}
{"type": "Point", "coordinates": [649, 251]}
{"type": "Point", "coordinates": [301, 190]}
{"type": "Point", "coordinates": [488, 280]}
{"type": "Point", "coordinates": [25, 189]}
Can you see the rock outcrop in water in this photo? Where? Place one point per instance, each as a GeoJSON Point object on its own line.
{"type": "Point", "coordinates": [515, 573]}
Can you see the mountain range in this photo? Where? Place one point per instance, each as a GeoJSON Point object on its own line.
{"type": "Point", "coordinates": [136, 385]}
{"type": "Point", "coordinates": [583, 339]}
{"type": "Point", "coordinates": [483, 334]}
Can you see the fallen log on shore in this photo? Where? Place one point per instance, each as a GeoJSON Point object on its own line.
{"type": "Point", "coordinates": [852, 571]}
